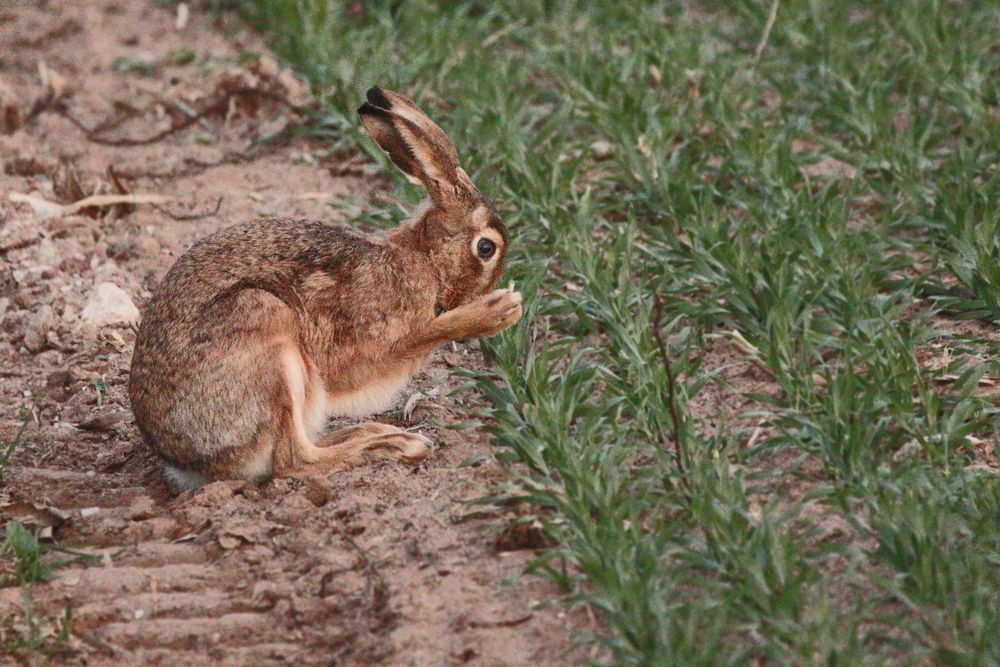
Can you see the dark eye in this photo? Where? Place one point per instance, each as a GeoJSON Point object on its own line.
{"type": "Point", "coordinates": [486, 248]}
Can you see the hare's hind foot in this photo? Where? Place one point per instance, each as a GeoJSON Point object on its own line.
{"type": "Point", "coordinates": [370, 441]}
{"type": "Point", "coordinates": [356, 445]}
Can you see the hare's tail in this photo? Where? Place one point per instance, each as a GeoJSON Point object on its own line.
{"type": "Point", "coordinates": [181, 479]}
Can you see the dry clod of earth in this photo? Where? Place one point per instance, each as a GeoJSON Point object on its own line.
{"type": "Point", "coordinates": [362, 568]}
{"type": "Point", "coordinates": [109, 304]}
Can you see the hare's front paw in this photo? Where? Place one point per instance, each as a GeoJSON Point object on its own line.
{"type": "Point", "coordinates": [489, 314]}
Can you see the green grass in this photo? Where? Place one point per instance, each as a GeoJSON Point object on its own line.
{"type": "Point", "coordinates": [29, 638]}
{"type": "Point", "coordinates": [836, 203]}
{"type": "Point", "coordinates": [7, 448]}
{"type": "Point", "coordinates": [22, 546]}
{"type": "Point", "coordinates": [37, 641]}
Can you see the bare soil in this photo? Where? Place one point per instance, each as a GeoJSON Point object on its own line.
{"type": "Point", "coordinates": [386, 564]}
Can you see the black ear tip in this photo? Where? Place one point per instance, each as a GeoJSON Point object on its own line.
{"type": "Point", "coordinates": [378, 98]}
{"type": "Point", "coordinates": [369, 109]}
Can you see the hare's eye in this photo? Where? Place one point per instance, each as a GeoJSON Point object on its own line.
{"type": "Point", "coordinates": [486, 248]}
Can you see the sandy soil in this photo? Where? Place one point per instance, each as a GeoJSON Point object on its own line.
{"type": "Point", "coordinates": [386, 564]}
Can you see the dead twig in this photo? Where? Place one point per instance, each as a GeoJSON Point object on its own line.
{"type": "Point", "coordinates": [254, 151]}
{"type": "Point", "coordinates": [101, 643]}
{"type": "Point", "coordinates": [501, 624]}
{"type": "Point", "coordinates": [113, 122]}
{"type": "Point", "coordinates": [187, 111]}
{"type": "Point", "coordinates": [40, 105]}
{"type": "Point", "coordinates": [219, 106]}
{"type": "Point", "coordinates": [377, 588]}
{"type": "Point", "coordinates": [193, 168]}
{"type": "Point", "coordinates": [190, 216]}
{"type": "Point", "coordinates": [671, 399]}
{"type": "Point", "coordinates": [762, 44]}
{"type": "Point", "coordinates": [755, 435]}
{"type": "Point", "coordinates": [18, 245]}
{"type": "Point", "coordinates": [95, 136]}
{"type": "Point", "coordinates": [48, 209]}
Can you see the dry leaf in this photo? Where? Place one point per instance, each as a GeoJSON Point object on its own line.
{"type": "Point", "coordinates": [53, 82]}
{"type": "Point", "coordinates": [829, 168]}
{"type": "Point", "coordinates": [266, 66]}
{"type": "Point", "coordinates": [416, 397]}
{"type": "Point", "coordinates": [949, 378]}
{"type": "Point", "coordinates": [66, 186]}
{"type": "Point", "coordinates": [183, 13]}
{"type": "Point", "coordinates": [314, 196]}
{"type": "Point", "coordinates": [655, 77]}
{"type": "Point", "coordinates": [602, 149]}
{"type": "Point", "coordinates": [102, 422]}
{"type": "Point", "coordinates": [643, 146]}
{"type": "Point", "coordinates": [42, 517]}
{"type": "Point", "coordinates": [232, 536]}
{"type": "Point", "coordinates": [521, 535]}
{"type": "Point", "coordinates": [113, 339]}
{"type": "Point", "coordinates": [293, 87]}
{"type": "Point", "coordinates": [121, 210]}
{"type": "Point", "coordinates": [694, 80]}
{"type": "Point", "coordinates": [10, 119]}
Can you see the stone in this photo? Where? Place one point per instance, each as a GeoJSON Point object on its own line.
{"type": "Point", "coordinates": [109, 304]}
{"type": "Point", "coordinates": [145, 247]}
{"type": "Point", "coordinates": [37, 328]}
{"type": "Point", "coordinates": [69, 314]}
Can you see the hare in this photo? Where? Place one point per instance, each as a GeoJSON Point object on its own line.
{"type": "Point", "coordinates": [262, 331]}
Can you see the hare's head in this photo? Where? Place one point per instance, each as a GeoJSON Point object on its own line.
{"type": "Point", "coordinates": [459, 228]}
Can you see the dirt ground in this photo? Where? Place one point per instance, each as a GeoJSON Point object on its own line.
{"type": "Point", "coordinates": [386, 564]}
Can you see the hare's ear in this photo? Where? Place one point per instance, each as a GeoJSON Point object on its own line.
{"type": "Point", "coordinates": [416, 145]}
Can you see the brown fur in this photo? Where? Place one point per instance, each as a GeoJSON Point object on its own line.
{"type": "Point", "coordinates": [263, 330]}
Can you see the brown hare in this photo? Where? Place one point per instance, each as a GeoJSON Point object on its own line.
{"type": "Point", "coordinates": [262, 331]}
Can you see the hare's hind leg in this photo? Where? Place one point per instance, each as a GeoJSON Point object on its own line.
{"type": "Point", "coordinates": [296, 455]}
{"type": "Point", "coordinates": [350, 447]}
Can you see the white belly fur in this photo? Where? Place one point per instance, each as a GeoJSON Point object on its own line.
{"type": "Point", "coordinates": [313, 414]}
{"type": "Point", "coordinates": [374, 397]}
